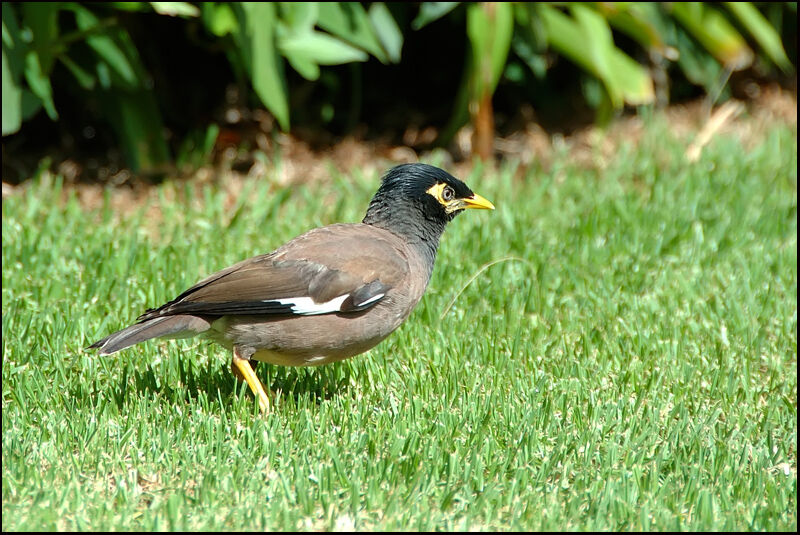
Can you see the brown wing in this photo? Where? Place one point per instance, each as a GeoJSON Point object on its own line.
{"type": "Point", "coordinates": [334, 269]}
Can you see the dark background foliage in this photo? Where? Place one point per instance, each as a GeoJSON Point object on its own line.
{"type": "Point", "coordinates": [194, 86]}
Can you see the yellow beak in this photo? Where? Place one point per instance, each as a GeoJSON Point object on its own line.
{"type": "Point", "coordinates": [476, 201]}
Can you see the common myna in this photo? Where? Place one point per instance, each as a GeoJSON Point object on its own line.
{"type": "Point", "coordinates": [329, 294]}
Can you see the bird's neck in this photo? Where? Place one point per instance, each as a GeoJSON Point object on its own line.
{"type": "Point", "coordinates": [419, 232]}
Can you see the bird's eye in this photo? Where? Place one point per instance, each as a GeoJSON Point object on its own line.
{"type": "Point", "coordinates": [448, 194]}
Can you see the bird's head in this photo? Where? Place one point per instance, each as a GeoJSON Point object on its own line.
{"type": "Point", "coordinates": [421, 195]}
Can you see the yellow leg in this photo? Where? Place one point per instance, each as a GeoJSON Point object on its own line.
{"type": "Point", "coordinates": [244, 368]}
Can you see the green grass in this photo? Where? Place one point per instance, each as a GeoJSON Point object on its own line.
{"type": "Point", "coordinates": [633, 367]}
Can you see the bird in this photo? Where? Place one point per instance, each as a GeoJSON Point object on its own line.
{"type": "Point", "coordinates": [329, 294]}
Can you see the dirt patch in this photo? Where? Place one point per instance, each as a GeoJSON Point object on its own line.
{"type": "Point", "coordinates": [595, 147]}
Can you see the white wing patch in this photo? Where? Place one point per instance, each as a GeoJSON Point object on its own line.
{"type": "Point", "coordinates": [307, 307]}
{"type": "Point", "coordinates": [370, 300]}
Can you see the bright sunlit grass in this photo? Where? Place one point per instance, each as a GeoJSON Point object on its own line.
{"type": "Point", "coordinates": [632, 365]}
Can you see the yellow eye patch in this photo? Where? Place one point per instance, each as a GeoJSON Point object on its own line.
{"type": "Point", "coordinates": [437, 191]}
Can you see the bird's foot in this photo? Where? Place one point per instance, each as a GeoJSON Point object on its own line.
{"type": "Point", "coordinates": [243, 371]}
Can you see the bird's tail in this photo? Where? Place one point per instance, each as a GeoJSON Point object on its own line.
{"type": "Point", "coordinates": [180, 326]}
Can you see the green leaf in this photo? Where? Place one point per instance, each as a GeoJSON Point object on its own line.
{"type": "Point", "coordinates": [219, 19]}
{"type": "Point", "coordinates": [530, 38]}
{"type": "Point", "coordinates": [317, 48]}
{"type": "Point", "coordinates": [431, 11]}
{"type": "Point", "coordinates": [714, 32]}
{"type": "Point", "coordinates": [536, 62]}
{"type": "Point", "coordinates": [307, 68]}
{"type": "Point", "coordinates": [299, 17]}
{"type": "Point", "coordinates": [130, 6]}
{"type": "Point", "coordinates": [103, 75]}
{"type": "Point", "coordinates": [529, 26]}
{"type": "Point", "coordinates": [635, 20]}
{"type": "Point", "coordinates": [632, 79]}
{"type": "Point", "coordinates": [761, 30]}
{"type": "Point", "coordinates": [489, 27]}
{"type": "Point", "coordinates": [42, 20]}
{"type": "Point", "coordinates": [16, 47]}
{"type": "Point", "coordinates": [212, 133]}
{"type": "Point", "coordinates": [257, 42]}
{"type": "Point", "coordinates": [349, 22]}
{"type": "Point", "coordinates": [586, 40]}
{"type": "Point", "coordinates": [31, 104]}
{"type": "Point", "coordinates": [175, 9]}
{"type": "Point", "coordinates": [106, 48]}
{"type": "Point", "coordinates": [12, 97]}
{"type": "Point", "coordinates": [325, 49]}
{"type": "Point", "coordinates": [84, 78]}
{"type": "Point", "coordinates": [389, 34]}
{"type": "Point", "coordinates": [39, 83]}
{"type": "Point", "coordinates": [695, 62]}
{"type": "Point", "coordinates": [601, 45]}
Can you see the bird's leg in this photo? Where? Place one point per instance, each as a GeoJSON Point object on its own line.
{"type": "Point", "coordinates": [238, 374]}
{"type": "Point", "coordinates": [240, 365]}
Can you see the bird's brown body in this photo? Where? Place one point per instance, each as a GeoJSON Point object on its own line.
{"type": "Point", "coordinates": [305, 340]}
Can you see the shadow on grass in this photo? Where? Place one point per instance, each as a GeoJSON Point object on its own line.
{"type": "Point", "coordinates": [316, 384]}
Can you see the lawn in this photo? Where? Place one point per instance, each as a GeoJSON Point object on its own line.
{"type": "Point", "coordinates": [613, 348]}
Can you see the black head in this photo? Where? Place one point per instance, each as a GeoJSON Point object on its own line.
{"type": "Point", "coordinates": [418, 200]}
